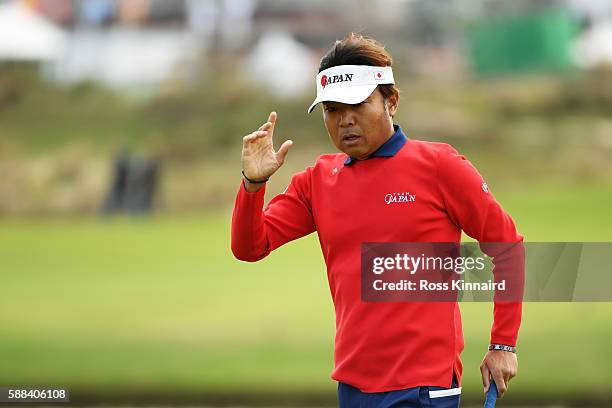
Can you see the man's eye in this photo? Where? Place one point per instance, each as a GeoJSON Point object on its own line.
{"type": "Point", "coordinates": [329, 109]}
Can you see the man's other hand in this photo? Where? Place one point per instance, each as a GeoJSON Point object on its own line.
{"type": "Point", "coordinates": [500, 365]}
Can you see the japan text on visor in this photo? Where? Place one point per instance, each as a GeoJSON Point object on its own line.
{"type": "Point", "coordinates": [350, 83]}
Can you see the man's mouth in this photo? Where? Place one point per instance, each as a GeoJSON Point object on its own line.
{"type": "Point", "coordinates": [350, 137]}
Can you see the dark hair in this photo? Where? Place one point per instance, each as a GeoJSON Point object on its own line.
{"type": "Point", "coordinates": [356, 49]}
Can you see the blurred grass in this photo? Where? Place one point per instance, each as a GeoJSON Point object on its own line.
{"type": "Point", "coordinates": [158, 305]}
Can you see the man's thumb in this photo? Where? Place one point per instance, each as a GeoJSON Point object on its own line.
{"type": "Point", "coordinates": [282, 152]}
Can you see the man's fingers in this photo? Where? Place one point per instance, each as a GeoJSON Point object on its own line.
{"type": "Point", "coordinates": [260, 133]}
{"type": "Point", "coordinates": [265, 126]}
{"type": "Point", "coordinates": [272, 118]}
{"type": "Point", "coordinates": [282, 151]}
{"type": "Point", "coordinates": [500, 381]}
{"type": "Point", "coordinates": [255, 135]}
{"type": "Point", "coordinates": [269, 125]}
{"type": "Point", "coordinates": [513, 373]}
{"type": "Point", "coordinates": [484, 372]}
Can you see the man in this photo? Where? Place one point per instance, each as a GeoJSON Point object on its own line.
{"type": "Point", "coordinates": [386, 353]}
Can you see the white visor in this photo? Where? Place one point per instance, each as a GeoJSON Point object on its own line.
{"type": "Point", "coordinates": [350, 83]}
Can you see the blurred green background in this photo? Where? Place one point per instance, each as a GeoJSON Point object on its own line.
{"type": "Point", "coordinates": [152, 308]}
{"type": "Point", "coordinates": [157, 309]}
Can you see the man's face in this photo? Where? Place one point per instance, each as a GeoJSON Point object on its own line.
{"type": "Point", "coordinates": [359, 130]}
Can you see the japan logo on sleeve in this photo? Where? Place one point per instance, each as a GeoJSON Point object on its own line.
{"type": "Point", "coordinates": [485, 187]}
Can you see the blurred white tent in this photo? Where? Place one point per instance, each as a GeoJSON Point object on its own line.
{"type": "Point", "coordinates": [124, 57]}
{"type": "Point", "coordinates": [284, 66]}
{"type": "Point", "coordinates": [27, 36]}
{"type": "Point", "coordinates": [594, 46]}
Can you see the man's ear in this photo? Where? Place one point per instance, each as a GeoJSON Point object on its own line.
{"type": "Point", "coordinates": [392, 102]}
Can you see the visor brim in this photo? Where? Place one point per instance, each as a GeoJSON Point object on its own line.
{"type": "Point", "coordinates": [349, 95]}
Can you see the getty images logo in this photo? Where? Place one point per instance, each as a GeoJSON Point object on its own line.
{"type": "Point", "coordinates": [403, 197]}
{"type": "Point", "coordinates": [326, 80]}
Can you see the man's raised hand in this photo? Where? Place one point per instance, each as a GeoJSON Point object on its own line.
{"type": "Point", "coordinates": [259, 160]}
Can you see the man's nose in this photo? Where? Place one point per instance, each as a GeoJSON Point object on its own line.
{"type": "Point", "coordinates": [347, 118]}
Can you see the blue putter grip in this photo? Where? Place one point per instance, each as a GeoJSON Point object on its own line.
{"type": "Point", "coordinates": [491, 396]}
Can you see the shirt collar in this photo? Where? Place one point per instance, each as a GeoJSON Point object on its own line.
{"type": "Point", "coordinates": [387, 149]}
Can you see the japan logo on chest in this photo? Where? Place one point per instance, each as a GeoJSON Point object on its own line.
{"type": "Point", "coordinates": [403, 197]}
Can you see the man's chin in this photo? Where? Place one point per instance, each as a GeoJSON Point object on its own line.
{"type": "Point", "coordinates": [355, 153]}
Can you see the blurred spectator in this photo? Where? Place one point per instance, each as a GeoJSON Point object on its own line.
{"type": "Point", "coordinates": [60, 11]}
{"type": "Point", "coordinates": [133, 12]}
{"type": "Point", "coordinates": [114, 197]}
{"type": "Point", "coordinates": [164, 11]}
{"type": "Point", "coordinates": [133, 185]}
{"type": "Point", "coordinates": [202, 16]}
{"type": "Point", "coordinates": [98, 12]}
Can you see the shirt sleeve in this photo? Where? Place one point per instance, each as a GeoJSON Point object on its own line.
{"type": "Point", "coordinates": [474, 209]}
{"type": "Point", "coordinates": [288, 216]}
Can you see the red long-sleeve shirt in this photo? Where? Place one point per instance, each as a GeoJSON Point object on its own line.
{"type": "Point", "coordinates": [383, 346]}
